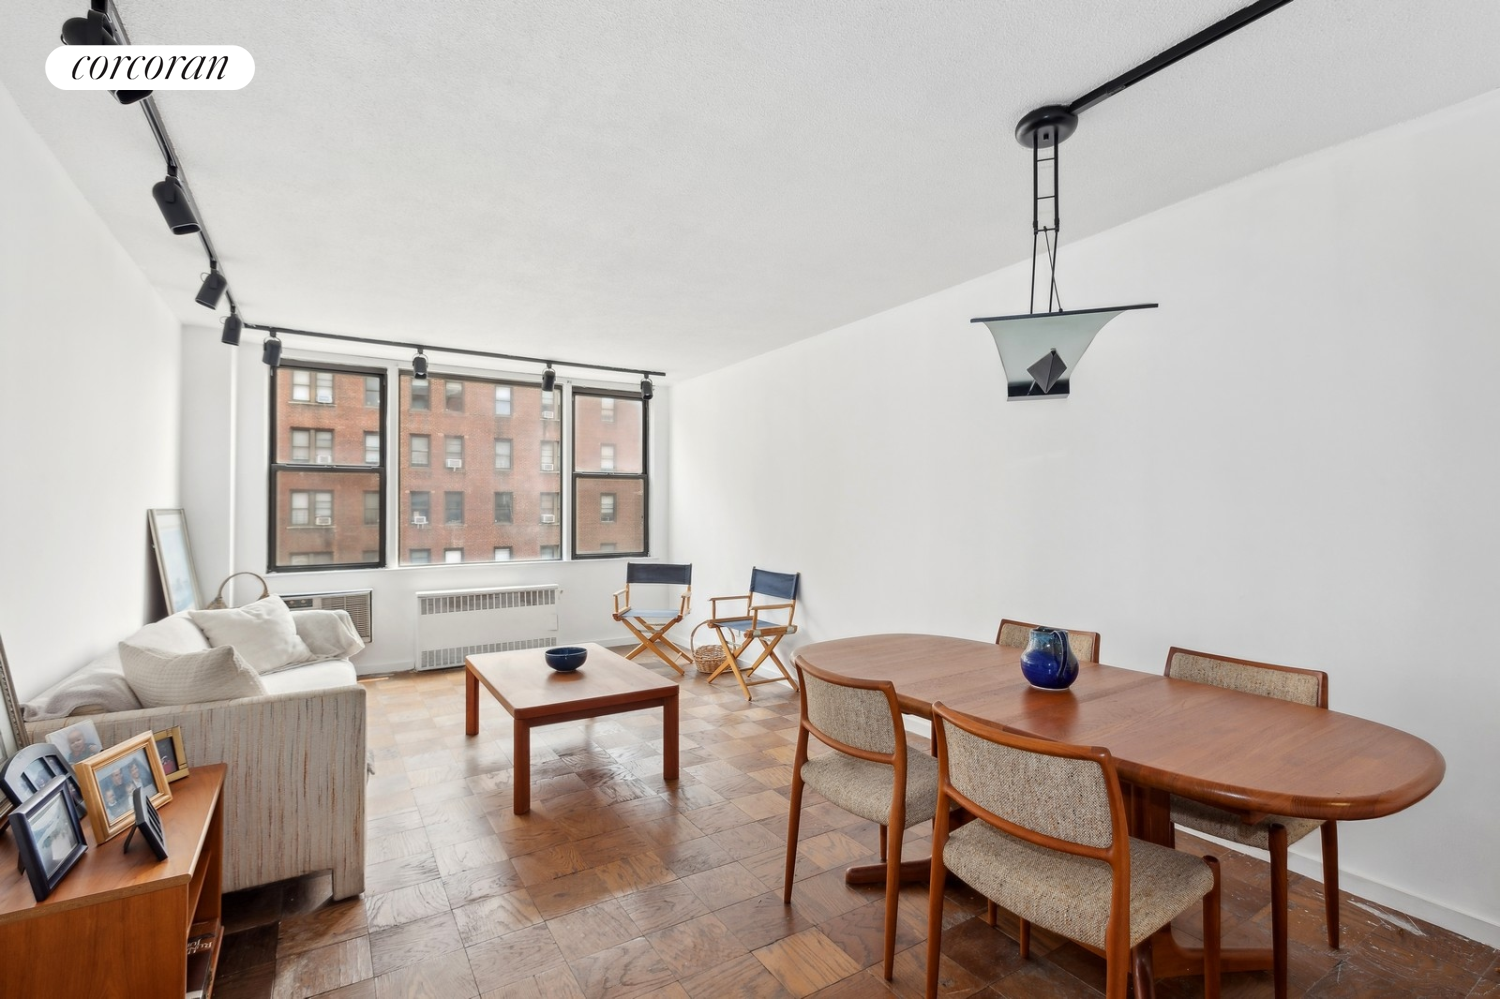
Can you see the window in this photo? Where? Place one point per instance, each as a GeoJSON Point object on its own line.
{"type": "Point", "coordinates": [549, 455]}
{"type": "Point", "coordinates": [609, 473]}
{"type": "Point", "coordinates": [550, 503]}
{"type": "Point", "coordinates": [421, 507]}
{"type": "Point", "coordinates": [316, 485]}
{"type": "Point", "coordinates": [502, 554]}
{"type": "Point", "coordinates": [421, 394]}
{"type": "Point", "coordinates": [312, 508]}
{"type": "Point", "coordinates": [453, 554]}
{"type": "Point", "coordinates": [419, 556]}
{"type": "Point", "coordinates": [488, 464]}
{"type": "Point", "coordinates": [551, 551]}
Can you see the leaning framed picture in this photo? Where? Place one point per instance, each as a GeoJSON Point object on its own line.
{"type": "Point", "coordinates": [109, 778]}
{"type": "Point", "coordinates": [49, 836]}
{"type": "Point", "coordinates": [169, 748]}
{"type": "Point", "coordinates": [174, 560]}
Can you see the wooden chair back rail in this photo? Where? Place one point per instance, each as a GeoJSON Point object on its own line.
{"type": "Point", "coordinates": [896, 758]}
{"type": "Point", "coordinates": [1093, 636]}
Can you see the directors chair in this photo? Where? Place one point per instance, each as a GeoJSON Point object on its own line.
{"type": "Point", "coordinates": [750, 626]}
{"type": "Point", "coordinates": [650, 627]}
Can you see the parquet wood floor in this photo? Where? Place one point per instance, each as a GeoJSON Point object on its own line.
{"type": "Point", "coordinates": [618, 884]}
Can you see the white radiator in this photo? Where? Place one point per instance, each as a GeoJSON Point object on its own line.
{"type": "Point", "coordinates": [452, 624]}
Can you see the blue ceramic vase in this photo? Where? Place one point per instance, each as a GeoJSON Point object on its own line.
{"type": "Point", "coordinates": [1048, 661]}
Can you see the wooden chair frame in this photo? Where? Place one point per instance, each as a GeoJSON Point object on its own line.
{"type": "Point", "coordinates": [769, 635]}
{"type": "Point", "coordinates": [890, 846]}
{"type": "Point", "coordinates": [653, 636]}
{"type": "Point", "coordinates": [1278, 839]}
{"type": "Point", "coordinates": [1117, 953]}
{"type": "Point", "coordinates": [1093, 658]}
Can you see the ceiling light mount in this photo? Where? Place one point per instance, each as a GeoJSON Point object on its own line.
{"type": "Point", "coordinates": [1046, 126]}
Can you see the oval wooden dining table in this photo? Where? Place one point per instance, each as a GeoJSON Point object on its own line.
{"type": "Point", "coordinates": [1256, 755]}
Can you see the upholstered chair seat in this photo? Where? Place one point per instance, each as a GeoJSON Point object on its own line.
{"type": "Point", "coordinates": [865, 789]}
{"type": "Point", "coordinates": [1231, 826]}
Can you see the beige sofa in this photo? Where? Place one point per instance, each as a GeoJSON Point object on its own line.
{"type": "Point", "coordinates": [294, 794]}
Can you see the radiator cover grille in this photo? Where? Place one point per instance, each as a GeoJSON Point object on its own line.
{"type": "Point", "coordinates": [453, 624]}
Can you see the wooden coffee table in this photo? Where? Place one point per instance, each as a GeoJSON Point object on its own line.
{"type": "Point", "coordinates": [535, 694]}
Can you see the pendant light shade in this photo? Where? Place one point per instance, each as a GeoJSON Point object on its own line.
{"type": "Point", "coordinates": [419, 365]}
{"type": "Point", "coordinates": [270, 354]}
{"type": "Point", "coordinates": [647, 389]}
{"type": "Point", "coordinates": [173, 202]}
{"type": "Point", "coordinates": [233, 324]}
{"type": "Point", "coordinates": [211, 290]}
{"type": "Point", "coordinates": [549, 378]}
{"type": "Point", "coordinates": [1040, 351]}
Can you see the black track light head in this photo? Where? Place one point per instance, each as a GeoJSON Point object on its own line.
{"type": "Point", "coordinates": [233, 324]}
{"type": "Point", "coordinates": [419, 365]}
{"type": "Point", "coordinates": [93, 29]}
{"type": "Point", "coordinates": [212, 289]}
{"type": "Point", "coordinates": [130, 96]}
{"type": "Point", "coordinates": [173, 202]}
{"type": "Point", "coordinates": [270, 354]}
{"type": "Point", "coordinates": [549, 378]}
{"type": "Point", "coordinates": [647, 389]}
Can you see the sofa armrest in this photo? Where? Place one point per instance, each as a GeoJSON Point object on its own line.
{"type": "Point", "coordinates": [294, 794]}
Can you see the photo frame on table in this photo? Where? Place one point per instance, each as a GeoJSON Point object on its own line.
{"type": "Point", "coordinates": [32, 769]}
{"type": "Point", "coordinates": [77, 742]}
{"type": "Point", "coordinates": [108, 780]}
{"type": "Point", "coordinates": [174, 560]}
{"type": "Point", "coordinates": [49, 836]}
{"type": "Point", "coordinates": [169, 747]}
{"type": "Point", "coordinates": [148, 824]}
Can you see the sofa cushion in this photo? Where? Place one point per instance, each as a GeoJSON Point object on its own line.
{"type": "Point", "coordinates": [167, 679]}
{"type": "Point", "coordinates": [318, 676]}
{"type": "Point", "coordinates": [329, 634]}
{"type": "Point", "coordinates": [262, 632]}
{"type": "Point", "coordinates": [97, 688]}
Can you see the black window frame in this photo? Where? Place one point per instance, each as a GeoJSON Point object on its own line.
{"type": "Point", "coordinates": [643, 476]}
{"type": "Point", "coordinates": [275, 468]}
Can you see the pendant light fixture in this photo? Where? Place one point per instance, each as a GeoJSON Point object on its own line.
{"type": "Point", "coordinates": [1040, 350]}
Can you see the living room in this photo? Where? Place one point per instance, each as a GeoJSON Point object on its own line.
{"type": "Point", "coordinates": [1280, 462]}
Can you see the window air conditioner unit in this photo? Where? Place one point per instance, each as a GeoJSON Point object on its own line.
{"type": "Point", "coordinates": [455, 463]}
{"type": "Point", "coordinates": [356, 602]}
{"type": "Point", "coordinates": [325, 397]}
{"type": "Point", "coordinates": [549, 414]}
{"type": "Point", "coordinates": [549, 518]}
{"type": "Point", "coordinates": [548, 466]}
{"type": "Point", "coordinates": [419, 520]}
{"type": "Point", "coordinates": [325, 459]}
{"type": "Point", "coordinates": [323, 521]}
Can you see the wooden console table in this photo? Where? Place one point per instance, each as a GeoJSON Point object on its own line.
{"type": "Point", "coordinates": [117, 925]}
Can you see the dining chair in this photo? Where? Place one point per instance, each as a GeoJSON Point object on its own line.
{"type": "Point", "coordinates": [1049, 842]}
{"type": "Point", "coordinates": [650, 627]}
{"type": "Point", "coordinates": [1272, 833]}
{"type": "Point", "coordinates": [777, 592]}
{"type": "Point", "coordinates": [870, 772]}
{"type": "Point", "coordinates": [1016, 635]}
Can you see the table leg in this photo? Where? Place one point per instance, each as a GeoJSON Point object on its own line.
{"type": "Point", "coordinates": [669, 738]}
{"type": "Point", "coordinates": [471, 702]}
{"type": "Point", "coordinates": [521, 766]}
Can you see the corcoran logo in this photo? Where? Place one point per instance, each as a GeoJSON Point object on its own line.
{"type": "Point", "coordinates": [149, 67]}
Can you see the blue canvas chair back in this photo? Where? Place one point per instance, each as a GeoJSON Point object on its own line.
{"type": "Point", "coordinates": [672, 573]}
{"type": "Point", "coordinates": [781, 585]}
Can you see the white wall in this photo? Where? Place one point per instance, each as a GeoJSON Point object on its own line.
{"type": "Point", "coordinates": [88, 419]}
{"type": "Point", "coordinates": [1292, 460]}
{"type": "Point", "coordinates": [231, 389]}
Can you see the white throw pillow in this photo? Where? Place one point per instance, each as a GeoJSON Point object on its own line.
{"type": "Point", "coordinates": [262, 632]}
{"type": "Point", "coordinates": [167, 679]}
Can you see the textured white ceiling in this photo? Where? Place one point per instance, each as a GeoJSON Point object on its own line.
{"type": "Point", "coordinates": [678, 184]}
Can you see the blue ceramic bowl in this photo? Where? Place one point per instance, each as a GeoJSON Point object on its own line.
{"type": "Point", "coordinates": [566, 658]}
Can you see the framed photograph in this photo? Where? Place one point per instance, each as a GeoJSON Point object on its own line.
{"type": "Point", "coordinates": [109, 779]}
{"type": "Point", "coordinates": [49, 836]}
{"type": "Point", "coordinates": [169, 748]}
{"type": "Point", "coordinates": [32, 769]}
{"type": "Point", "coordinates": [174, 560]}
{"type": "Point", "coordinates": [77, 742]}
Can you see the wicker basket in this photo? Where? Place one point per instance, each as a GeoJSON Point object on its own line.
{"type": "Point", "coordinates": [709, 657]}
{"type": "Point", "coordinates": [219, 603]}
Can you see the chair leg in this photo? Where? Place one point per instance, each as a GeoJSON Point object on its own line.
{"type": "Point", "coordinates": [1116, 975]}
{"type": "Point", "coordinates": [1278, 909]}
{"type": "Point", "coordinates": [892, 901]}
{"type": "Point", "coordinates": [936, 881]}
{"type": "Point", "coordinates": [1023, 938]}
{"type": "Point", "coordinates": [794, 817]}
{"type": "Point", "coordinates": [1212, 931]}
{"type": "Point", "coordinates": [1331, 881]}
{"type": "Point", "coordinates": [1140, 971]}
{"type": "Point", "coordinates": [884, 831]}
{"type": "Point", "coordinates": [991, 912]}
